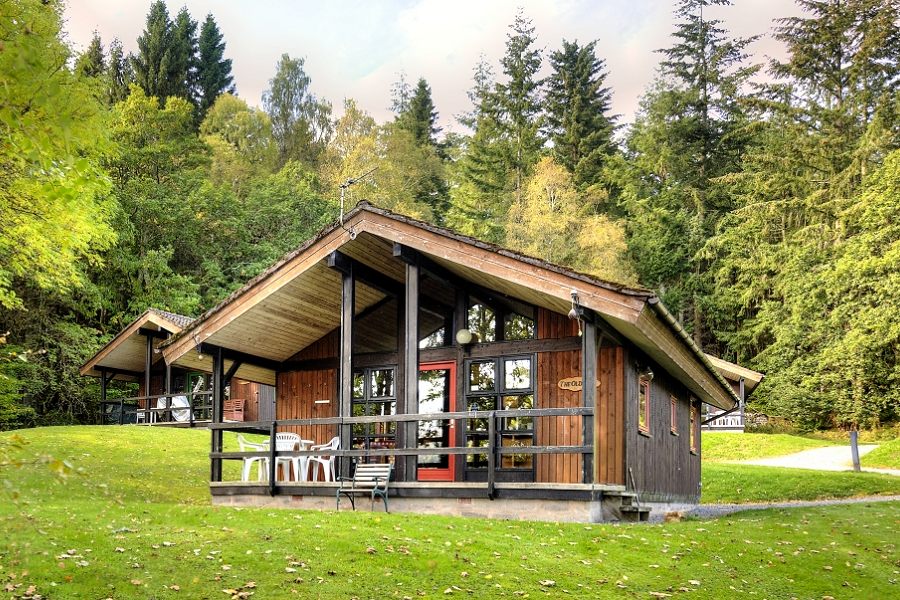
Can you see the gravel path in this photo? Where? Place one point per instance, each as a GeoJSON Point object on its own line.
{"type": "Point", "coordinates": [710, 511]}
{"type": "Point", "coordinates": [828, 458]}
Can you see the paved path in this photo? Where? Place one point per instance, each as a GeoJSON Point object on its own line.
{"type": "Point", "coordinates": [710, 511]}
{"type": "Point", "coordinates": [827, 458]}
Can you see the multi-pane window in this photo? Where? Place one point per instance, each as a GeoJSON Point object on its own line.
{"type": "Point", "coordinates": [490, 325]}
{"type": "Point", "coordinates": [374, 393]}
{"type": "Point", "coordinates": [500, 384]}
{"type": "Point", "coordinates": [695, 426]}
{"type": "Point", "coordinates": [644, 404]}
{"type": "Point", "coordinates": [673, 414]}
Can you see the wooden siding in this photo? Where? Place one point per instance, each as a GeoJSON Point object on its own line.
{"type": "Point", "coordinates": [609, 418]}
{"type": "Point", "coordinates": [297, 394]}
{"type": "Point", "coordinates": [609, 446]}
{"type": "Point", "coordinates": [663, 466]}
{"type": "Point", "coordinates": [250, 392]}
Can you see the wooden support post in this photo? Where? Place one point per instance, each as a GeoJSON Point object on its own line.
{"type": "Point", "coordinates": [148, 364]}
{"type": "Point", "coordinates": [410, 350]}
{"type": "Point", "coordinates": [742, 394]}
{"type": "Point", "coordinates": [492, 454]}
{"type": "Point", "coordinates": [588, 395]}
{"type": "Point", "coordinates": [218, 402]}
{"type": "Point", "coordinates": [854, 450]}
{"type": "Point", "coordinates": [102, 395]}
{"type": "Point", "coordinates": [345, 370]}
{"type": "Point", "coordinates": [273, 453]}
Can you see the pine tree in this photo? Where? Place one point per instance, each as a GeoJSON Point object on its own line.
{"type": "Point", "coordinates": [154, 63]}
{"type": "Point", "coordinates": [118, 73]}
{"type": "Point", "coordinates": [577, 107]}
{"type": "Point", "coordinates": [184, 64]}
{"type": "Point", "coordinates": [690, 131]}
{"type": "Point", "coordinates": [519, 100]}
{"type": "Point", "coordinates": [91, 63]}
{"type": "Point", "coordinates": [420, 117]}
{"type": "Point", "coordinates": [480, 176]}
{"type": "Point", "coordinates": [213, 70]}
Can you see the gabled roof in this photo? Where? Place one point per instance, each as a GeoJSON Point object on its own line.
{"type": "Point", "coordinates": [297, 300]}
{"type": "Point", "coordinates": [126, 352]}
{"type": "Point", "coordinates": [734, 372]}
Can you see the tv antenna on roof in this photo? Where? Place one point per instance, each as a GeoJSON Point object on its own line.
{"type": "Point", "coordinates": [346, 185]}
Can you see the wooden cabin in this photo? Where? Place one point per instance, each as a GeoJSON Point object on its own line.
{"type": "Point", "coordinates": [165, 395]}
{"type": "Point", "coordinates": [495, 383]}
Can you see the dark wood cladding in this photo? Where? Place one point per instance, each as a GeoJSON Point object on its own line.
{"type": "Point", "coordinates": [297, 395]}
{"type": "Point", "coordinates": [663, 466]}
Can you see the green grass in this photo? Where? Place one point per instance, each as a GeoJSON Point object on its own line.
{"type": "Point", "coordinates": [731, 483]}
{"type": "Point", "coordinates": [134, 521]}
{"type": "Point", "coordinates": [721, 446]}
{"type": "Point", "coordinates": [885, 456]}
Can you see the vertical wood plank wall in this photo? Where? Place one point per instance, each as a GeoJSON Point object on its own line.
{"type": "Point", "coordinates": [297, 395]}
{"type": "Point", "coordinates": [664, 467]}
{"type": "Point", "coordinates": [297, 392]}
{"type": "Point", "coordinates": [609, 454]}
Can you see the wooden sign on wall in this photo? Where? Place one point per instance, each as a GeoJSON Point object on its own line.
{"type": "Point", "coordinates": [572, 384]}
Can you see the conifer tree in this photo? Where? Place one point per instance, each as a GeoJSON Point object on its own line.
{"type": "Point", "coordinates": [213, 69]}
{"type": "Point", "coordinates": [420, 117]}
{"type": "Point", "coordinates": [91, 62]}
{"type": "Point", "coordinates": [156, 64]}
{"type": "Point", "coordinates": [480, 176]}
{"type": "Point", "coordinates": [118, 73]}
{"type": "Point", "coordinates": [184, 66]}
{"type": "Point", "coordinates": [577, 111]}
{"type": "Point", "coordinates": [689, 132]}
{"type": "Point", "coordinates": [519, 100]}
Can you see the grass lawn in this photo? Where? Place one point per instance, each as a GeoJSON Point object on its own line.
{"type": "Point", "coordinates": [134, 522]}
{"type": "Point", "coordinates": [721, 446]}
{"type": "Point", "coordinates": [727, 483]}
{"type": "Point", "coordinates": [885, 456]}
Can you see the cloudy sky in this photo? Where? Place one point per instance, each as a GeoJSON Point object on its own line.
{"type": "Point", "coordinates": [358, 48]}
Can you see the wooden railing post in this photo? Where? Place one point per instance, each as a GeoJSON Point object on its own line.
{"type": "Point", "coordinates": [492, 454]}
{"type": "Point", "coordinates": [217, 405]}
{"type": "Point", "coordinates": [273, 453]}
{"type": "Point", "coordinates": [588, 395]}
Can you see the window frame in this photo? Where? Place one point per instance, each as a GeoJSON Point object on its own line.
{"type": "Point", "coordinates": [643, 407]}
{"type": "Point", "coordinates": [673, 415]}
{"type": "Point", "coordinates": [367, 401]}
{"type": "Point", "coordinates": [694, 443]}
{"type": "Point", "coordinates": [501, 316]}
{"type": "Point", "coordinates": [498, 394]}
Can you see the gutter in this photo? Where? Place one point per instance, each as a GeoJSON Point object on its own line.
{"type": "Point", "coordinates": [662, 312]}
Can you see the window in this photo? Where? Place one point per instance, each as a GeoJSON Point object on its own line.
{"type": "Point", "coordinates": [501, 384]}
{"type": "Point", "coordinates": [673, 417]}
{"type": "Point", "coordinates": [374, 393]}
{"type": "Point", "coordinates": [489, 323]}
{"type": "Point", "coordinates": [695, 428]}
{"type": "Point", "coordinates": [482, 322]}
{"type": "Point", "coordinates": [644, 405]}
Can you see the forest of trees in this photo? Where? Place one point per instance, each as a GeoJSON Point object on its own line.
{"type": "Point", "coordinates": [758, 199]}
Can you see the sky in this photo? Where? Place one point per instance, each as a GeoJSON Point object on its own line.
{"type": "Point", "coordinates": [357, 49]}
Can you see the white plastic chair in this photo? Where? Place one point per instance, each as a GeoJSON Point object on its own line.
{"type": "Point", "coordinates": [180, 402]}
{"type": "Point", "coordinates": [261, 461]}
{"type": "Point", "coordinates": [286, 442]}
{"type": "Point", "coordinates": [327, 461]}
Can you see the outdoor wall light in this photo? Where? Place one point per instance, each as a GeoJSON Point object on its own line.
{"type": "Point", "coordinates": [575, 311]}
{"type": "Point", "coordinates": [646, 373]}
{"type": "Point", "coordinates": [464, 337]}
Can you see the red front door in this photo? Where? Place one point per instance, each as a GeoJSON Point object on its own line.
{"type": "Point", "coordinates": [437, 394]}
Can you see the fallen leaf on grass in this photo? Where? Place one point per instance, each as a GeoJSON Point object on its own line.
{"type": "Point", "coordinates": [547, 582]}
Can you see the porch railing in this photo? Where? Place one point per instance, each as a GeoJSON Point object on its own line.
{"type": "Point", "coordinates": [148, 410]}
{"type": "Point", "coordinates": [732, 421]}
{"type": "Point", "coordinates": [494, 449]}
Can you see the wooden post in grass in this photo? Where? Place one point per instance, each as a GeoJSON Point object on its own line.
{"type": "Point", "coordinates": [854, 449]}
